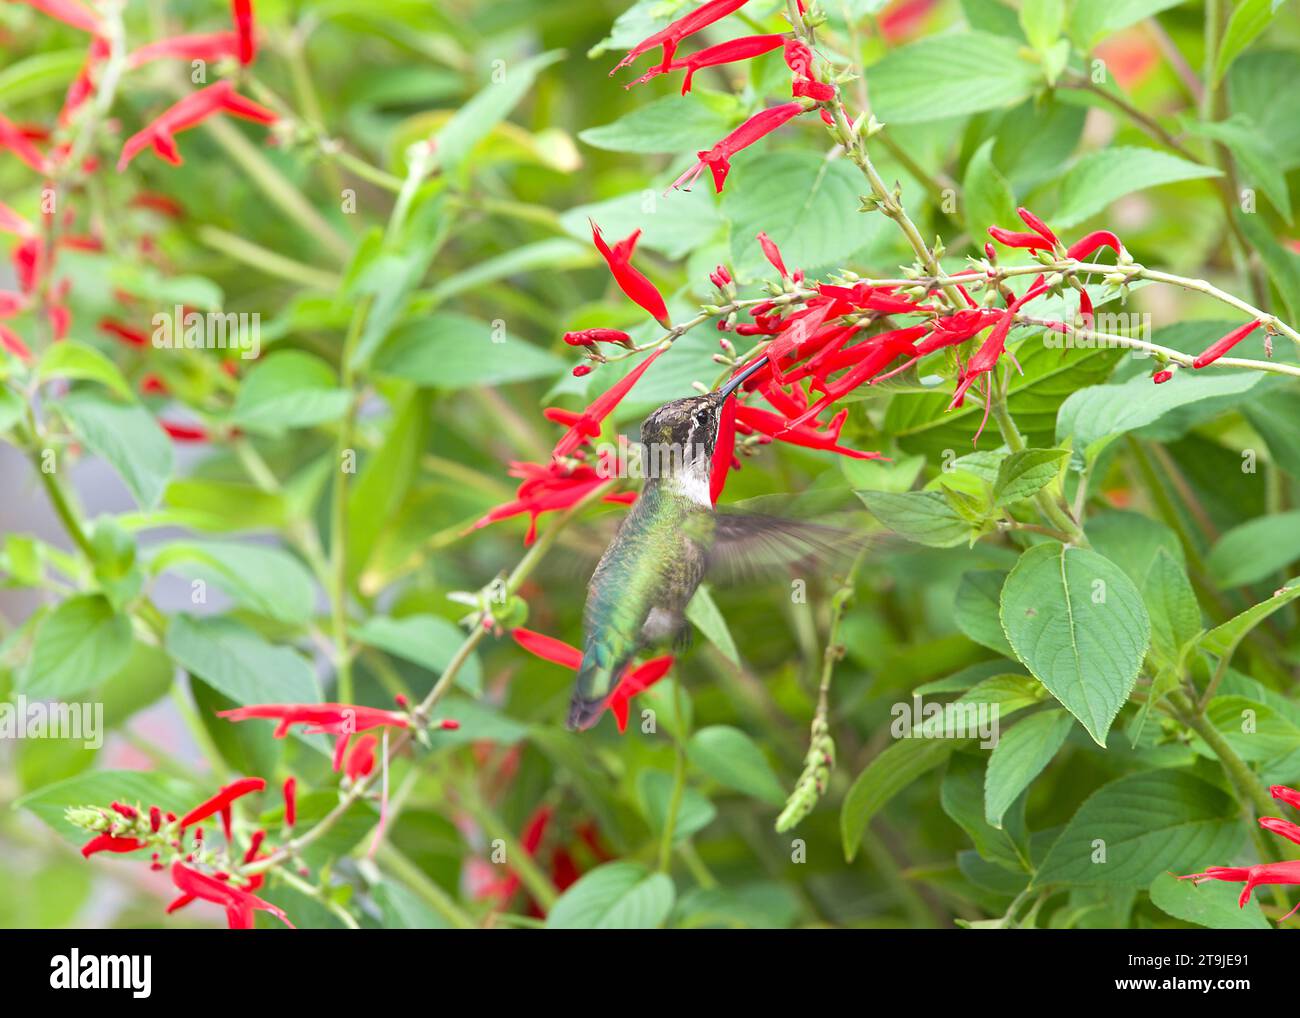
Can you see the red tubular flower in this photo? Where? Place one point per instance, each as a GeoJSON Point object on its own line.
{"type": "Point", "coordinates": [1030, 241]}
{"type": "Point", "coordinates": [123, 332]}
{"type": "Point", "coordinates": [1085, 246]}
{"type": "Point", "coordinates": [1160, 377]}
{"type": "Point", "coordinates": [772, 253]}
{"type": "Point", "coordinates": [70, 12]}
{"type": "Point", "coordinates": [341, 719]}
{"type": "Point", "coordinates": [590, 337]}
{"type": "Point", "coordinates": [630, 280]}
{"type": "Point", "coordinates": [242, 13]}
{"type": "Point", "coordinates": [238, 903]}
{"type": "Point", "coordinates": [110, 843]}
{"type": "Point", "coordinates": [12, 342]}
{"type": "Point", "coordinates": [193, 109]}
{"type": "Point", "coordinates": [1285, 828]}
{"type": "Point", "coordinates": [799, 58]}
{"type": "Point", "coordinates": [211, 47]}
{"type": "Point", "coordinates": [720, 277]}
{"type": "Point", "coordinates": [1221, 346]}
{"type": "Point", "coordinates": [633, 681]}
{"type": "Point", "coordinates": [1037, 225]}
{"type": "Point", "coordinates": [1268, 873]}
{"type": "Point", "coordinates": [724, 450]}
{"type": "Point", "coordinates": [587, 424]}
{"type": "Point", "coordinates": [13, 138]}
{"type": "Point", "coordinates": [809, 89]}
{"type": "Point", "coordinates": [778, 427]}
{"type": "Point", "coordinates": [548, 648]}
{"type": "Point", "coordinates": [83, 85]}
{"type": "Point", "coordinates": [122, 809]}
{"type": "Point", "coordinates": [361, 759]}
{"type": "Point", "coordinates": [184, 432]}
{"type": "Point", "coordinates": [290, 801]}
{"type": "Point", "coordinates": [155, 819]}
{"type": "Point", "coordinates": [712, 56]}
{"type": "Point", "coordinates": [220, 803]}
{"type": "Point", "coordinates": [718, 158]}
{"type": "Point", "coordinates": [670, 37]}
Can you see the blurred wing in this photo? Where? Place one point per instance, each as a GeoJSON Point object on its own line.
{"type": "Point", "coordinates": [755, 545]}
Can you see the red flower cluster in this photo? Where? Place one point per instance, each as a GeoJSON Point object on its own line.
{"type": "Point", "coordinates": [1265, 873]}
{"type": "Point", "coordinates": [565, 480]}
{"type": "Point", "coordinates": [237, 45]}
{"type": "Point", "coordinates": [159, 134]}
{"type": "Point", "coordinates": [633, 681]}
{"type": "Point", "coordinates": [797, 56]}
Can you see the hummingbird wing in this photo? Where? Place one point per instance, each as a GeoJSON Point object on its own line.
{"type": "Point", "coordinates": [756, 545]}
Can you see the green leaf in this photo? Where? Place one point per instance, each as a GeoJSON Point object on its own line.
{"type": "Point", "coordinates": [800, 200]}
{"type": "Point", "coordinates": [1255, 156]}
{"type": "Point", "coordinates": [1255, 550]}
{"type": "Point", "coordinates": [1269, 414]}
{"type": "Point", "coordinates": [11, 409]}
{"type": "Point", "coordinates": [732, 758]}
{"type": "Point", "coordinates": [1132, 541]}
{"type": "Point", "coordinates": [1130, 831]}
{"type": "Point", "coordinates": [1108, 174]}
{"type": "Point", "coordinates": [977, 606]}
{"type": "Point", "coordinates": [695, 813]}
{"type": "Point", "coordinates": [1283, 264]}
{"type": "Point", "coordinates": [39, 74]}
{"type": "Point", "coordinates": [925, 517]}
{"type": "Point", "coordinates": [1212, 904]}
{"type": "Point", "coordinates": [475, 120]}
{"type": "Point", "coordinates": [289, 389]}
{"type": "Point", "coordinates": [924, 424]}
{"type": "Point", "coordinates": [1097, 415]}
{"type": "Point", "coordinates": [1078, 623]}
{"type": "Point", "coordinates": [1249, 19]}
{"type": "Point", "coordinates": [238, 663]}
{"type": "Point", "coordinates": [1024, 473]}
{"type": "Point", "coordinates": [989, 199]}
{"type": "Point", "coordinates": [127, 437]}
{"type": "Point", "coordinates": [1255, 731]}
{"type": "Point", "coordinates": [1090, 22]}
{"type": "Point", "coordinates": [615, 896]}
{"type": "Point", "coordinates": [906, 760]}
{"type": "Point", "coordinates": [224, 505]}
{"type": "Point", "coordinates": [1224, 639]}
{"type": "Point", "coordinates": [1042, 21]}
{"type": "Point", "coordinates": [265, 580]}
{"type": "Point", "coordinates": [1173, 609]}
{"type": "Point", "coordinates": [402, 910]}
{"type": "Point", "coordinates": [99, 788]}
{"type": "Point", "coordinates": [1019, 757]}
{"type": "Point", "coordinates": [980, 72]}
{"type": "Point", "coordinates": [961, 795]}
{"type": "Point", "coordinates": [78, 645]}
{"type": "Point", "coordinates": [703, 612]}
{"type": "Point", "coordinates": [1259, 86]}
{"type": "Point", "coordinates": [675, 123]}
{"type": "Point", "coordinates": [425, 640]}
{"type": "Point", "coordinates": [71, 359]}
{"type": "Point", "coordinates": [452, 351]}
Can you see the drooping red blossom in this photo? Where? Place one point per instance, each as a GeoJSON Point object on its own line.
{"type": "Point", "coordinates": [16, 141]}
{"type": "Point", "coordinates": [1160, 377]}
{"type": "Point", "coordinates": [70, 12]}
{"type": "Point", "coordinates": [728, 52]}
{"type": "Point", "coordinates": [590, 337]}
{"type": "Point", "coordinates": [212, 46]}
{"type": "Point", "coordinates": [361, 758]}
{"type": "Point", "coordinates": [1037, 225]}
{"type": "Point", "coordinates": [586, 425]}
{"type": "Point", "coordinates": [290, 801]}
{"type": "Point", "coordinates": [670, 37]}
{"type": "Point", "coordinates": [110, 843]}
{"type": "Point", "coordinates": [239, 903]}
{"type": "Point", "coordinates": [1087, 244]}
{"type": "Point", "coordinates": [1264, 873]}
{"type": "Point", "coordinates": [160, 133]}
{"type": "Point", "coordinates": [83, 85]}
{"type": "Point", "coordinates": [634, 680]}
{"type": "Point", "coordinates": [806, 88]}
{"type": "Point", "coordinates": [724, 450]}
{"type": "Point", "coordinates": [550, 488]}
{"type": "Point", "coordinates": [121, 331]}
{"type": "Point", "coordinates": [242, 13]}
{"type": "Point", "coordinates": [184, 432]}
{"type": "Point", "coordinates": [341, 719]}
{"type": "Point", "coordinates": [1221, 346]}
{"type": "Point", "coordinates": [1028, 241]}
{"type": "Point", "coordinates": [718, 158]}
{"type": "Point", "coordinates": [630, 279]}
{"type": "Point", "coordinates": [220, 803]}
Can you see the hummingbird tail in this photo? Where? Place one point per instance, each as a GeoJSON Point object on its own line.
{"type": "Point", "coordinates": [583, 713]}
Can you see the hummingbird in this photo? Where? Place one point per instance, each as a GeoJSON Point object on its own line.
{"type": "Point", "coordinates": [670, 539]}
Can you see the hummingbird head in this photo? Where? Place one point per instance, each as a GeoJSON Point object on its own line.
{"type": "Point", "coordinates": [681, 435]}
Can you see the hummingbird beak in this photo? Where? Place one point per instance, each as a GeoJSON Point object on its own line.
{"type": "Point", "coordinates": [734, 383]}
